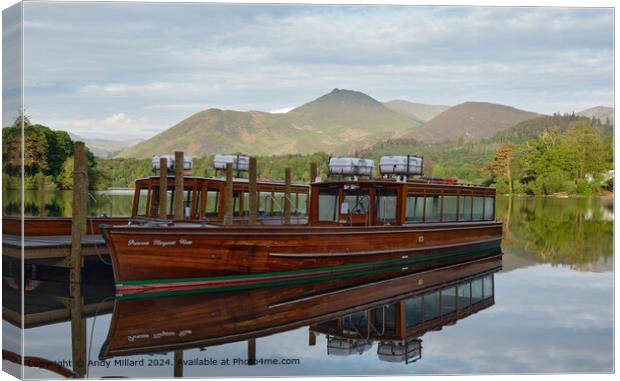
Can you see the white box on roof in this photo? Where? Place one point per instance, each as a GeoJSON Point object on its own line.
{"type": "Point", "coordinates": [239, 162]}
{"type": "Point", "coordinates": [401, 165]}
{"type": "Point", "coordinates": [187, 162]}
{"type": "Point", "coordinates": [351, 166]}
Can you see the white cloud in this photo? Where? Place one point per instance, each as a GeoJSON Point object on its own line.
{"type": "Point", "coordinates": [283, 110]}
{"type": "Point", "coordinates": [116, 119]}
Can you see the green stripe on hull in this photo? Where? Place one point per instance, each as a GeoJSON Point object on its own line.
{"type": "Point", "coordinates": [398, 263]}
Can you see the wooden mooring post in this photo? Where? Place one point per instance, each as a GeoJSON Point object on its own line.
{"type": "Point", "coordinates": [78, 229]}
{"type": "Point", "coordinates": [163, 188]}
{"type": "Point", "coordinates": [178, 186]}
{"type": "Point", "coordinates": [253, 193]}
{"type": "Point", "coordinates": [228, 212]}
{"type": "Point", "coordinates": [78, 223]}
{"type": "Point", "coordinates": [314, 172]}
{"type": "Point", "coordinates": [178, 364]}
{"type": "Point", "coordinates": [252, 352]}
{"type": "Point", "coordinates": [42, 196]}
{"type": "Point", "coordinates": [287, 196]}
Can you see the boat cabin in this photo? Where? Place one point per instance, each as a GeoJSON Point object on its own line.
{"type": "Point", "coordinates": [395, 199]}
{"type": "Point", "coordinates": [203, 199]}
{"type": "Point", "coordinates": [384, 202]}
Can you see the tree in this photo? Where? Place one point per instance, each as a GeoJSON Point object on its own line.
{"type": "Point", "coordinates": [500, 165]}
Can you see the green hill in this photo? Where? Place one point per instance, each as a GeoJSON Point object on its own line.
{"type": "Point", "coordinates": [468, 122]}
{"type": "Point", "coordinates": [339, 122]}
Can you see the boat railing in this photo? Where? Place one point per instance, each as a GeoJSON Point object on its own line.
{"type": "Point", "coordinates": [148, 220]}
{"type": "Point", "coordinates": [277, 203]}
{"type": "Point", "coordinates": [96, 202]}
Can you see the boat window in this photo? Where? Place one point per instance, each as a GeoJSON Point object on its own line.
{"type": "Point", "coordinates": [488, 208]}
{"type": "Point", "coordinates": [433, 208]}
{"type": "Point", "coordinates": [465, 208]}
{"type": "Point", "coordinates": [413, 311]}
{"type": "Point", "coordinates": [358, 202]}
{"type": "Point", "coordinates": [302, 204]}
{"type": "Point", "coordinates": [415, 208]}
{"type": "Point", "coordinates": [478, 205]}
{"type": "Point", "coordinates": [476, 290]}
{"type": "Point", "coordinates": [246, 203]}
{"type": "Point", "coordinates": [154, 207]}
{"type": "Point", "coordinates": [356, 320]}
{"type": "Point", "coordinates": [464, 294]}
{"type": "Point", "coordinates": [236, 203]}
{"type": "Point", "coordinates": [197, 203]}
{"type": "Point", "coordinates": [266, 204]}
{"type": "Point", "coordinates": [142, 200]}
{"type": "Point", "coordinates": [187, 200]}
{"type": "Point", "coordinates": [386, 205]}
{"type": "Point", "coordinates": [449, 208]}
{"type": "Point", "coordinates": [431, 306]}
{"type": "Point", "coordinates": [328, 205]}
{"type": "Point", "coordinates": [213, 205]}
{"type": "Point", "coordinates": [278, 208]}
{"type": "Point", "coordinates": [170, 200]}
{"type": "Point", "coordinates": [385, 317]}
{"type": "Point", "coordinates": [488, 286]}
{"type": "Point", "coordinates": [448, 300]}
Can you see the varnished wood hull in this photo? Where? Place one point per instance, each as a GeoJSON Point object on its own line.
{"type": "Point", "coordinates": [51, 226]}
{"type": "Point", "coordinates": [199, 320]}
{"type": "Point", "coordinates": [152, 259]}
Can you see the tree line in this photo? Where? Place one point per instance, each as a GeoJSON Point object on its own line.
{"type": "Point", "coordinates": [546, 155]}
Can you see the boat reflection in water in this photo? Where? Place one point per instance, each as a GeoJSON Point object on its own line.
{"type": "Point", "coordinates": [353, 314]}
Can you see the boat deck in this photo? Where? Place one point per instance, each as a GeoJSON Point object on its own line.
{"type": "Point", "coordinates": [50, 250]}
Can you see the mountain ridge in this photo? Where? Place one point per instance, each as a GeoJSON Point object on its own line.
{"type": "Point", "coordinates": [338, 122]}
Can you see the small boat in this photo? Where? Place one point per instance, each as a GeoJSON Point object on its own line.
{"type": "Point", "coordinates": [355, 224]}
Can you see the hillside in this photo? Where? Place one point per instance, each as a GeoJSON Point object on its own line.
{"type": "Point", "coordinates": [601, 112]}
{"type": "Point", "coordinates": [532, 128]}
{"type": "Point", "coordinates": [468, 122]}
{"type": "Point", "coordinates": [416, 111]}
{"type": "Point", "coordinates": [339, 122]}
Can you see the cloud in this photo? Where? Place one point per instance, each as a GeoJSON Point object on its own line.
{"type": "Point", "coordinates": [165, 61]}
{"type": "Point", "coordinates": [283, 110]}
{"type": "Point", "coordinates": [116, 119]}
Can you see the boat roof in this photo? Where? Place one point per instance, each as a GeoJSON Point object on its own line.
{"type": "Point", "coordinates": [223, 179]}
{"type": "Point", "coordinates": [394, 181]}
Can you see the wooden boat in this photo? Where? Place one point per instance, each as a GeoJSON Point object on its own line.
{"type": "Point", "coordinates": [354, 226]}
{"type": "Point", "coordinates": [143, 325]}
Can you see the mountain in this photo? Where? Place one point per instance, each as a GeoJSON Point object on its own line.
{"type": "Point", "coordinates": [603, 113]}
{"type": "Point", "coordinates": [469, 121]}
{"type": "Point", "coordinates": [417, 111]}
{"type": "Point", "coordinates": [339, 122]}
{"type": "Point", "coordinates": [105, 147]}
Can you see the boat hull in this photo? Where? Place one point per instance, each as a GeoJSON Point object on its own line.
{"type": "Point", "coordinates": [148, 259]}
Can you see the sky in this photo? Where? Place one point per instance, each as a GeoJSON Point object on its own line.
{"type": "Point", "coordinates": [124, 71]}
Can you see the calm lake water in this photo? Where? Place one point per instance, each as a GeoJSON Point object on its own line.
{"type": "Point", "coordinates": [549, 309]}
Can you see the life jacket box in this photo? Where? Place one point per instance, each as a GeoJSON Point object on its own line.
{"type": "Point", "coordinates": [239, 163]}
{"type": "Point", "coordinates": [397, 165]}
{"type": "Point", "coordinates": [351, 166]}
{"type": "Point", "coordinates": [187, 162]}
